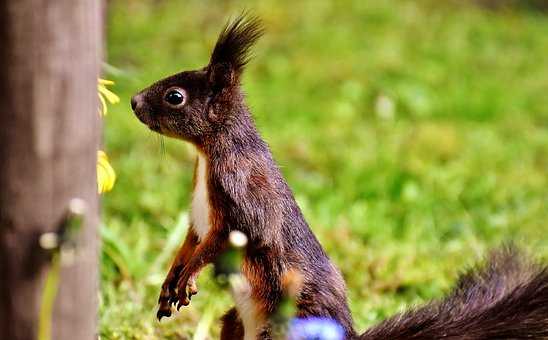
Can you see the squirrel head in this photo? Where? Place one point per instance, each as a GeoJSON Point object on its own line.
{"type": "Point", "coordinates": [192, 105]}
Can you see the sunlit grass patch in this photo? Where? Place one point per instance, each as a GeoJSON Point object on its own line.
{"type": "Point", "coordinates": [412, 133]}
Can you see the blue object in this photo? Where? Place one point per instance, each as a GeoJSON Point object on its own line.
{"type": "Point", "coordinates": [315, 329]}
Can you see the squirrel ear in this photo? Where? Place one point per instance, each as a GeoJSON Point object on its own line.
{"type": "Point", "coordinates": [231, 52]}
{"type": "Point", "coordinates": [220, 76]}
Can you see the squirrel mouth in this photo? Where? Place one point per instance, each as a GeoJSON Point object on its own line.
{"type": "Point", "coordinates": [149, 120]}
{"type": "Point", "coordinates": [157, 123]}
{"type": "Point", "coordinates": [154, 125]}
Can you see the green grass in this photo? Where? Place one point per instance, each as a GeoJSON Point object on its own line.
{"type": "Point", "coordinates": [414, 135]}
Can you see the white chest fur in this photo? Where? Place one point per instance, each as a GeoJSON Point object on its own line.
{"type": "Point", "coordinates": [200, 209]}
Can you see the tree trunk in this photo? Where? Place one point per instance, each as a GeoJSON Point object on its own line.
{"type": "Point", "coordinates": [49, 135]}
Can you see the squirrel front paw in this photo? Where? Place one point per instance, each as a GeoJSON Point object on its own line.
{"type": "Point", "coordinates": [167, 296]}
{"type": "Point", "coordinates": [186, 288]}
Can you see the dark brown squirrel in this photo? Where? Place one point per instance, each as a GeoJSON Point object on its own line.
{"type": "Point", "coordinates": [238, 186]}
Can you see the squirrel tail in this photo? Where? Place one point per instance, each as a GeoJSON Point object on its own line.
{"type": "Point", "coordinates": [505, 298]}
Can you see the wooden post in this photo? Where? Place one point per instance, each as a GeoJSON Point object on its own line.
{"type": "Point", "coordinates": [49, 135]}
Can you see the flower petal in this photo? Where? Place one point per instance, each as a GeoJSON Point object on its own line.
{"type": "Point", "coordinates": [103, 110]}
{"type": "Point", "coordinates": [105, 82]}
{"type": "Point", "coordinates": [106, 176]}
{"type": "Point", "coordinates": [109, 95]}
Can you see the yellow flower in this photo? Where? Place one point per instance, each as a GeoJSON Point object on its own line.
{"type": "Point", "coordinates": [106, 95]}
{"type": "Point", "coordinates": [105, 173]}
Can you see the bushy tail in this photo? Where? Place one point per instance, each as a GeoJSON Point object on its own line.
{"type": "Point", "coordinates": [505, 298]}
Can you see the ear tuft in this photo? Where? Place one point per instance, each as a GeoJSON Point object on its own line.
{"type": "Point", "coordinates": [233, 45]}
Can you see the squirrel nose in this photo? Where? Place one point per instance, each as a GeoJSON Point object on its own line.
{"type": "Point", "coordinates": [133, 102]}
{"type": "Point", "coordinates": [136, 100]}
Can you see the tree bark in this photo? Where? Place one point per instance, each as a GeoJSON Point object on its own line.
{"type": "Point", "coordinates": [49, 135]}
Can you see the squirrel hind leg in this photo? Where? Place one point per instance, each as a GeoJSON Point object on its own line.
{"type": "Point", "coordinates": [232, 326]}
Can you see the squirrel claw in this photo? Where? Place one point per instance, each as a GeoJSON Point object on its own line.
{"type": "Point", "coordinates": [161, 313]}
{"type": "Point", "coordinates": [173, 300]}
{"type": "Point", "coordinates": [183, 302]}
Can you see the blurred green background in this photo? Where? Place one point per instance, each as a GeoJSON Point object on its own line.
{"type": "Point", "coordinates": [413, 133]}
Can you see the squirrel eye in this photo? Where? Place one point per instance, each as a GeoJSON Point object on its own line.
{"type": "Point", "coordinates": [175, 97]}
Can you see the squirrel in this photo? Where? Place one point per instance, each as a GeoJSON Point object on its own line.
{"type": "Point", "coordinates": [238, 186]}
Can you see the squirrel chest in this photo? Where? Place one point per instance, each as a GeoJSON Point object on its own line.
{"type": "Point", "coordinates": [200, 216]}
{"type": "Point", "coordinates": [200, 208]}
